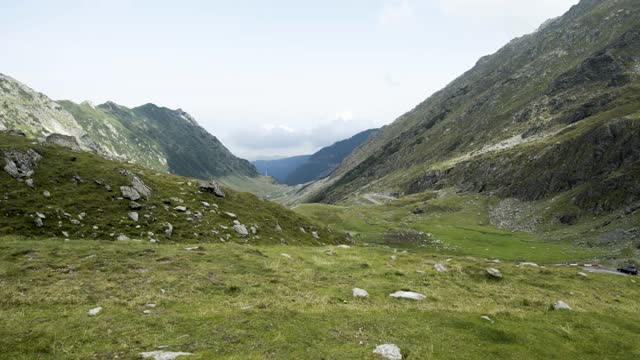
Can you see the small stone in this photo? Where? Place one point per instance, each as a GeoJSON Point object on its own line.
{"type": "Point", "coordinates": [278, 228]}
{"type": "Point", "coordinates": [46, 193]}
{"type": "Point", "coordinates": [440, 268]}
{"type": "Point", "coordinates": [163, 355]}
{"type": "Point", "coordinates": [168, 229]}
{"type": "Point", "coordinates": [344, 247]}
{"type": "Point", "coordinates": [330, 253]}
{"type": "Point", "coordinates": [581, 274]}
{"type": "Point", "coordinates": [134, 205]}
{"type": "Point", "coordinates": [561, 305]}
{"type": "Point", "coordinates": [315, 235]}
{"type": "Point", "coordinates": [420, 271]}
{"type": "Point", "coordinates": [408, 295]}
{"type": "Point", "coordinates": [393, 257]}
{"type": "Point", "coordinates": [29, 183]}
{"type": "Point", "coordinates": [147, 312]}
{"type": "Point", "coordinates": [231, 215]}
{"type": "Point", "coordinates": [38, 222]}
{"type": "Point", "coordinates": [206, 204]}
{"type": "Point", "coordinates": [133, 216]}
{"type": "Point", "coordinates": [65, 234]}
{"type": "Point", "coordinates": [40, 215]}
{"type": "Point", "coordinates": [484, 317]}
{"type": "Point", "coordinates": [522, 264]}
{"type": "Point", "coordinates": [75, 222]}
{"type": "Point", "coordinates": [286, 255]}
{"type": "Point", "coordinates": [241, 230]}
{"type": "Point", "coordinates": [494, 273]}
{"type": "Point", "coordinates": [388, 351]}
{"type": "Point", "coordinates": [123, 237]}
{"type": "Point", "coordinates": [152, 306]}
{"type": "Point", "coordinates": [94, 311]}
{"type": "Point", "coordinates": [357, 292]}
{"type": "Point", "coordinates": [180, 208]}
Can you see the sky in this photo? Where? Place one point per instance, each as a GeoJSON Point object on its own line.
{"type": "Point", "coordinates": [268, 78]}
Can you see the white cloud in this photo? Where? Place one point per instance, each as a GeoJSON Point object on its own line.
{"type": "Point", "coordinates": [395, 12]}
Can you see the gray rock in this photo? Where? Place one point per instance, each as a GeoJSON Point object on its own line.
{"type": "Point", "coordinates": [357, 292]}
{"type": "Point", "coordinates": [140, 187]}
{"type": "Point", "coordinates": [65, 234]}
{"type": "Point", "coordinates": [286, 255]}
{"type": "Point", "coordinates": [485, 317]}
{"type": "Point", "coordinates": [29, 183]}
{"type": "Point", "coordinates": [315, 235]}
{"type": "Point", "coordinates": [65, 141]}
{"type": "Point", "coordinates": [134, 205]}
{"type": "Point", "coordinates": [40, 215]}
{"type": "Point", "coordinates": [343, 247]}
{"type": "Point", "coordinates": [241, 229]}
{"type": "Point", "coordinates": [278, 228]}
{"type": "Point", "coordinates": [494, 273]}
{"type": "Point", "coordinates": [408, 295]}
{"type": "Point", "coordinates": [129, 193]}
{"type": "Point", "coordinates": [14, 132]}
{"type": "Point", "coordinates": [133, 216]}
{"type": "Point", "coordinates": [440, 268]}
{"type": "Point", "coordinates": [75, 222]}
{"type": "Point", "coordinates": [38, 222]}
{"type": "Point", "coordinates": [231, 215]}
{"type": "Point", "coordinates": [108, 188]}
{"type": "Point", "coordinates": [212, 187]}
{"type": "Point", "coordinates": [163, 355]}
{"type": "Point", "coordinates": [20, 165]}
{"type": "Point", "coordinates": [581, 274]}
{"type": "Point", "coordinates": [180, 208]}
{"type": "Point", "coordinates": [523, 264]}
{"type": "Point", "coordinates": [123, 237]}
{"type": "Point", "coordinates": [46, 193]}
{"type": "Point", "coordinates": [94, 311]}
{"type": "Point", "coordinates": [561, 305]}
{"type": "Point", "coordinates": [168, 229]}
{"type": "Point", "coordinates": [388, 351]}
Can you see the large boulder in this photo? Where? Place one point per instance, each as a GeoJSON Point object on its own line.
{"type": "Point", "coordinates": [65, 141]}
{"type": "Point", "coordinates": [129, 193]}
{"type": "Point", "coordinates": [212, 187]}
{"type": "Point", "coordinates": [20, 165]}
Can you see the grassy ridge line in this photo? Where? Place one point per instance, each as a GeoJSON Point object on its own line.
{"type": "Point", "coordinates": [249, 302]}
{"type": "Point", "coordinates": [106, 211]}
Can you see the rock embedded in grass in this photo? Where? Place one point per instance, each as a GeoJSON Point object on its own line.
{"type": "Point", "coordinates": [388, 351]}
{"type": "Point", "coordinates": [163, 355]}
{"type": "Point", "coordinates": [129, 193]}
{"type": "Point", "coordinates": [561, 305]}
{"type": "Point", "coordinates": [523, 264]}
{"type": "Point", "coordinates": [286, 255]}
{"type": "Point", "coordinates": [94, 311]}
{"type": "Point", "coordinates": [408, 295]}
{"type": "Point", "coordinates": [46, 193]}
{"type": "Point", "coordinates": [357, 292]}
{"type": "Point", "coordinates": [440, 268]}
{"type": "Point", "coordinates": [180, 208]}
{"type": "Point", "coordinates": [133, 216]}
{"type": "Point", "coordinates": [241, 229]}
{"type": "Point", "coordinates": [344, 246]}
{"type": "Point", "coordinates": [495, 273]}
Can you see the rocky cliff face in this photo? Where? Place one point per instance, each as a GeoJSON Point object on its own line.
{"type": "Point", "coordinates": [156, 137]}
{"type": "Point", "coordinates": [550, 112]}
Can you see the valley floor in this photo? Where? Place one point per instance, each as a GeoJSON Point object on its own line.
{"type": "Point", "coordinates": [231, 301]}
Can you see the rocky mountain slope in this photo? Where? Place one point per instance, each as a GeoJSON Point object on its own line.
{"type": "Point", "coordinates": [156, 137]}
{"type": "Point", "coordinates": [53, 192]}
{"type": "Point", "coordinates": [327, 159]}
{"type": "Point", "coordinates": [552, 112]}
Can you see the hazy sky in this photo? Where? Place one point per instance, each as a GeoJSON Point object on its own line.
{"type": "Point", "coordinates": [278, 77]}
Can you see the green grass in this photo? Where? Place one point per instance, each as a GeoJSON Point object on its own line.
{"type": "Point", "coordinates": [107, 211]}
{"type": "Point", "coordinates": [232, 301]}
{"type": "Point", "coordinates": [460, 223]}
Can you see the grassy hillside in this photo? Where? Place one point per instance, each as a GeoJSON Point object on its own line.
{"type": "Point", "coordinates": [77, 185]}
{"type": "Point", "coordinates": [228, 301]}
{"type": "Point", "coordinates": [554, 101]}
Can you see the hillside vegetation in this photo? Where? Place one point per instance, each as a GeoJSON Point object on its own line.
{"type": "Point", "coordinates": [551, 112]}
{"type": "Point", "coordinates": [74, 194]}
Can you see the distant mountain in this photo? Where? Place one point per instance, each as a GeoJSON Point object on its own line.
{"type": "Point", "coordinates": [552, 113]}
{"type": "Point", "coordinates": [153, 136]}
{"type": "Point", "coordinates": [279, 169]}
{"type": "Point", "coordinates": [323, 162]}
